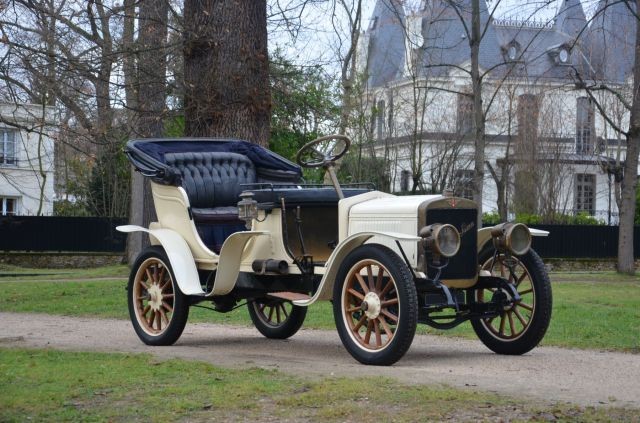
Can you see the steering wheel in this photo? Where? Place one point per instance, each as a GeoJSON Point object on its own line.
{"type": "Point", "coordinates": [323, 151]}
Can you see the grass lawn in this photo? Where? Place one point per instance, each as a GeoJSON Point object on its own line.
{"type": "Point", "coordinates": [14, 273]}
{"type": "Point", "coordinates": [591, 310]}
{"type": "Point", "coordinates": [45, 385]}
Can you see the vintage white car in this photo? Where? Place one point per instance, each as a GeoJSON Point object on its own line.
{"type": "Point", "coordinates": [236, 224]}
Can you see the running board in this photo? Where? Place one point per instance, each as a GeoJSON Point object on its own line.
{"type": "Point", "coordinates": [289, 296]}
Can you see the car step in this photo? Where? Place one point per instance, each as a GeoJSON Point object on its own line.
{"type": "Point", "coordinates": [289, 296]}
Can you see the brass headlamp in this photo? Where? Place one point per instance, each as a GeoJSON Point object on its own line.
{"type": "Point", "coordinates": [512, 237]}
{"type": "Point", "coordinates": [441, 239]}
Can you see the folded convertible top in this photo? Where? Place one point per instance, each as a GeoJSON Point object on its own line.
{"type": "Point", "coordinates": [148, 155]}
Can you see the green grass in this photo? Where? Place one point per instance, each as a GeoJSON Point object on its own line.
{"type": "Point", "coordinates": [591, 310]}
{"type": "Point", "coordinates": [43, 385]}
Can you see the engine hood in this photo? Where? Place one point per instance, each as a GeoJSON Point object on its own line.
{"type": "Point", "coordinates": [397, 206]}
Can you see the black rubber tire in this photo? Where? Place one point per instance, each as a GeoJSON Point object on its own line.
{"type": "Point", "coordinates": [407, 307]}
{"type": "Point", "coordinates": [180, 314]}
{"type": "Point", "coordinates": [541, 314]}
{"type": "Point", "coordinates": [283, 330]}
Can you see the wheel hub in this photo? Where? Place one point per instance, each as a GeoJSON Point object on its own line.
{"type": "Point", "coordinates": [155, 297]}
{"type": "Point", "coordinates": [371, 305]}
{"type": "Point", "coordinates": [503, 299]}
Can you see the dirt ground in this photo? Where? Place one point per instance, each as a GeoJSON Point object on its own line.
{"type": "Point", "coordinates": [546, 373]}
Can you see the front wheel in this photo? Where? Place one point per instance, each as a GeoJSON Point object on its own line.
{"type": "Point", "coordinates": [521, 326]}
{"type": "Point", "coordinates": [275, 318]}
{"type": "Point", "coordinates": [157, 308]}
{"type": "Point", "coordinates": [375, 305]}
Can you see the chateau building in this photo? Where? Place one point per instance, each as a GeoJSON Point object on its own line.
{"type": "Point", "coordinates": [548, 146]}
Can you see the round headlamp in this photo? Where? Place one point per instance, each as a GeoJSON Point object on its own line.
{"type": "Point", "coordinates": [441, 239]}
{"type": "Point", "coordinates": [512, 237]}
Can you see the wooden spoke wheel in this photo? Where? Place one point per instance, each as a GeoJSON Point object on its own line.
{"type": "Point", "coordinates": [515, 319]}
{"type": "Point", "coordinates": [375, 305]}
{"type": "Point", "coordinates": [157, 308]}
{"type": "Point", "coordinates": [522, 324]}
{"type": "Point", "coordinates": [275, 318]}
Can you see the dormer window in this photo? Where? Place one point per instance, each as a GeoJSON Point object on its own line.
{"type": "Point", "coordinates": [561, 54]}
{"type": "Point", "coordinates": [511, 51]}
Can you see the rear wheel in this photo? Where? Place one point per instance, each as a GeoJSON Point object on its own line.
{"type": "Point", "coordinates": [275, 318]}
{"type": "Point", "coordinates": [157, 308]}
{"type": "Point", "coordinates": [375, 305]}
{"type": "Point", "coordinates": [521, 326]}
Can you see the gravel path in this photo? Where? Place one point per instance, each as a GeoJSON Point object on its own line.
{"type": "Point", "coordinates": [546, 373]}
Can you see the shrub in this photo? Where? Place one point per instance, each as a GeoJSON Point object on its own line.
{"type": "Point", "coordinates": [582, 218]}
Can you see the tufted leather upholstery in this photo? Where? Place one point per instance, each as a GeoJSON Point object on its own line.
{"type": "Point", "coordinates": [212, 179]}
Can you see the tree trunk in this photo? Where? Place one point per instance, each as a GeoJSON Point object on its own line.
{"type": "Point", "coordinates": [501, 185]}
{"type": "Point", "coordinates": [630, 179]}
{"type": "Point", "coordinates": [151, 107]}
{"type": "Point", "coordinates": [348, 68]}
{"type": "Point", "coordinates": [226, 69]}
{"type": "Point", "coordinates": [478, 114]}
{"type": "Point", "coordinates": [129, 59]}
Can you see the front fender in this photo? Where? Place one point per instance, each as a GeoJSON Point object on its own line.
{"type": "Point", "coordinates": [325, 289]}
{"type": "Point", "coordinates": [180, 257]}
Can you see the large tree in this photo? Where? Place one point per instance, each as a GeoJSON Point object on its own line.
{"type": "Point", "coordinates": [226, 69]}
{"type": "Point", "coordinates": [146, 99]}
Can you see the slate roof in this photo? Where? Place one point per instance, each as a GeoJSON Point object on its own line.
{"type": "Point", "coordinates": [611, 40]}
{"type": "Point", "coordinates": [386, 47]}
{"type": "Point", "coordinates": [571, 19]}
{"type": "Point", "coordinates": [445, 44]}
{"type": "Point", "coordinates": [446, 41]}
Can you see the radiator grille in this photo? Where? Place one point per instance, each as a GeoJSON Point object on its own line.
{"type": "Point", "coordinates": [464, 264]}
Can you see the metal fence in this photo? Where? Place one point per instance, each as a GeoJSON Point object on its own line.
{"type": "Point", "coordinates": [581, 241]}
{"type": "Point", "coordinates": [96, 234]}
{"type": "Point", "coordinates": [72, 234]}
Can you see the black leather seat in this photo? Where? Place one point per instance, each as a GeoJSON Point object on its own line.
{"type": "Point", "coordinates": [213, 181]}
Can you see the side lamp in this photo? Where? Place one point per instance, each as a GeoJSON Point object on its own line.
{"type": "Point", "coordinates": [247, 208]}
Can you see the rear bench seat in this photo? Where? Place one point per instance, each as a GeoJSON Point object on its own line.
{"type": "Point", "coordinates": [213, 181]}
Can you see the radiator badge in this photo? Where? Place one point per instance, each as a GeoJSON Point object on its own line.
{"type": "Point", "coordinates": [452, 202]}
{"type": "Point", "coordinates": [466, 227]}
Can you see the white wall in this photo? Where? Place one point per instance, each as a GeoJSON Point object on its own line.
{"type": "Point", "coordinates": [34, 152]}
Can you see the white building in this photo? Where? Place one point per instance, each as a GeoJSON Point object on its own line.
{"type": "Point", "coordinates": [26, 159]}
{"type": "Point", "coordinates": [546, 140]}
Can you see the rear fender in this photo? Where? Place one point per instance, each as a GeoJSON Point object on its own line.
{"type": "Point", "coordinates": [325, 290]}
{"type": "Point", "coordinates": [231, 255]}
{"type": "Point", "coordinates": [183, 264]}
{"type": "Point", "coordinates": [180, 257]}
